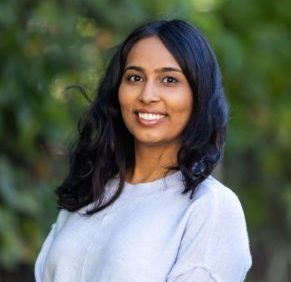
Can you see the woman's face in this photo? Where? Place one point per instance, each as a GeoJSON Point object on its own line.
{"type": "Point", "coordinates": [154, 95]}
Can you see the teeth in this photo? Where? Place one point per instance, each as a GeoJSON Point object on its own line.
{"type": "Point", "coordinates": [148, 116]}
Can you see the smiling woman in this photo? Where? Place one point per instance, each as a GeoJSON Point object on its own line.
{"type": "Point", "coordinates": [139, 202]}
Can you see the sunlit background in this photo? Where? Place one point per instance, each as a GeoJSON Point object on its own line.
{"type": "Point", "coordinates": [49, 45]}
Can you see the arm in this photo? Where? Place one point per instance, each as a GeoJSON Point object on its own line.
{"type": "Point", "coordinates": [41, 259]}
{"type": "Point", "coordinates": [215, 245]}
{"type": "Point", "coordinates": [39, 264]}
{"type": "Point", "coordinates": [198, 273]}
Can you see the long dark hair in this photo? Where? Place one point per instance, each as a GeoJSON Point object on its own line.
{"type": "Point", "coordinates": [105, 148]}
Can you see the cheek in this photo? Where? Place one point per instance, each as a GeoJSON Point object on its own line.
{"type": "Point", "coordinates": [124, 97]}
{"type": "Point", "coordinates": [183, 106]}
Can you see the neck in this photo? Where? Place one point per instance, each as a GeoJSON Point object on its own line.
{"type": "Point", "coordinates": [152, 163]}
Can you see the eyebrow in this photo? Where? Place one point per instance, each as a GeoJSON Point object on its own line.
{"type": "Point", "coordinates": [164, 69]}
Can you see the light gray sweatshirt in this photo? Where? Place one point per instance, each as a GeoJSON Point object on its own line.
{"type": "Point", "coordinates": [152, 233]}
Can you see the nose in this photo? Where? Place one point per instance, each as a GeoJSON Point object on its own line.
{"type": "Point", "coordinates": [149, 93]}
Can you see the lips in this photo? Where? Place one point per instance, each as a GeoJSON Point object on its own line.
{"type": "Point", "coordinates": [146, 117]}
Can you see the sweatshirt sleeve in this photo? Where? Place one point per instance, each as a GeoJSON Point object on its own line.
{"type": "Point", "coordinates": [215, 245]}
{"type": "Point", "coordinates": [39, 264]}
{"type": "Point", "coordinates": [41, 259]}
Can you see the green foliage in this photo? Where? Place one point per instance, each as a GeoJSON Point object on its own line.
{"type": "Point", "coordinates": [48, 45]}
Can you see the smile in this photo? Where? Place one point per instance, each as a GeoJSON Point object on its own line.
{"type": "Point", "coordinates": [150, 116]}
{"type": "Point", "coordinates": [149, 119]}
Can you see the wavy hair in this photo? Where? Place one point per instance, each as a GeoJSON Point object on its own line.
{"type": "Point", "coordinates": [104, 147]}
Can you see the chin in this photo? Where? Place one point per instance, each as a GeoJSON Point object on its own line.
{"type": "Point", "coordinates": [155, 142]}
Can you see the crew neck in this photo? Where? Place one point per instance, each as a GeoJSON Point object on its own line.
{"type": "Point", "coordinates": [171, 181]}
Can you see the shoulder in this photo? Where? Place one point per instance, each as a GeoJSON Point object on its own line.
{"type": "Point", "coordinates": [61, 220]}
{"type": "Point", "coordinates": [227, 234]}
{"type": "Point", "coordinates": [218, 199]}
{"type": "Point", "coordinates": [213, 188]}
{"type": "Point", "coordinates": [220, 209]}
{"type": "Point", "coordinates": [215, 236]}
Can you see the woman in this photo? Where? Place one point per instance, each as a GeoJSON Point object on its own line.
{"type": "Point", "coordinates": [139, 203]}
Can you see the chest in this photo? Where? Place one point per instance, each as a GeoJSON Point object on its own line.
{"type": "Point", "coordinates": [127, 238]}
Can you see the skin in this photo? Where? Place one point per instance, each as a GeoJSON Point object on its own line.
{"type": "Point", "coordinates": [153, 83]}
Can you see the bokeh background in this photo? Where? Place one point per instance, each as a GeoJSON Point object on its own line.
{"type": "Point", "coordinates": [52, 51]}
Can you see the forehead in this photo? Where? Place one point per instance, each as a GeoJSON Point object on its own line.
{"type": "Point", "coordinates": [150, 52]}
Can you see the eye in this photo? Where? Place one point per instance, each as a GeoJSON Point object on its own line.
{"type": "Point", "coordinates": [170, 80]}
{"type": "Point", "coordinates": [134, 78]}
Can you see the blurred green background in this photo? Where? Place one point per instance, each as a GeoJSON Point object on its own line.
{"type": "Point", "coordinates": [48, 45]}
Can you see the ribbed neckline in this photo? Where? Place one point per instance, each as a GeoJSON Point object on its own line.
{"type": "Point", "coordinates": [169, 182]}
